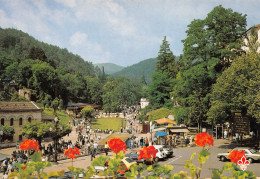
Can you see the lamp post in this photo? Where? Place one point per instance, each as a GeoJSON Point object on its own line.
{"type": "Point", "coordinates": [56, 119]}
{"type": "Point", "coordinates": [1, 134]}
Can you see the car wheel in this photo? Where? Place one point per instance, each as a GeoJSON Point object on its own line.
{"type": "Point", "coordinates": [223, 159]}
{"type": "Point", "coordinates": [156, 159]}
{"type": "Point", "coordinates": [251, 160]}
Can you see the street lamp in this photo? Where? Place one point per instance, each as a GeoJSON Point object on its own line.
{"type": "Point", "coordinates": [1, 134]}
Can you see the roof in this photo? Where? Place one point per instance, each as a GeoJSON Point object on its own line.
{"type": "Point", "coordinates": [165, 121]}
{"type": "Point", "coordinates": [179, 130]}
{"type": "Point", "coordinates": [256, 26]}
{"type": "Point", "coordinates": [159, 129]}
{"type": "Point", "coordinates": [46, 117]}
{"type": "Point", "coordinates": [18, 106]}
{"type": "Point", "coordinates": [81, 105]}
{"type": "Point", "coordinates": [123, 137]}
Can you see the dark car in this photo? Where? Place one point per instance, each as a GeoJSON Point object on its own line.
{"type": "Point", "coordinates": [134, 156]}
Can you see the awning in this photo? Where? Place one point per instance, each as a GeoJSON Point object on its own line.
{"type": "Point", "coordinates": [179, 130]}
{"type": "Point", "coordinates": [159, 129]}
{"type": "Point", "coordinates": [123, 137]}
{"type": "Point", "coordinates": [165, 121]}
{"type": "Point", "coordinates": [161, 134]}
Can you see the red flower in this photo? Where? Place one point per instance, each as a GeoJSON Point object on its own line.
{"type": "Point", "coordinates": [203, 138]}
{"type": "Point", "coordinates": [122, 169]}
{"type": "Point", "coordinates": [29, 144]}
{"type": "Point", "coordinates": [117, 145]}
{"type": "Point", "coordinates": [236, 155]}
{"type": "Point", "coordinates": [147, 152]}
{"type": "Point", "coordinates": [72, 152]}
{"type": "Point", "coordinates": [24, 167]}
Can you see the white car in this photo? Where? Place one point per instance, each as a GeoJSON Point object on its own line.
{"type": "Point", "coordinates": [251, 154]}
{"type": "Point", "coordinates": [160, 155]}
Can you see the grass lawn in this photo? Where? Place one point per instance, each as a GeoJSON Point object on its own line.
{"type": "Point", "coordinates": [62, 116]}
{"type": "Point", "coordinates": [107, 123]}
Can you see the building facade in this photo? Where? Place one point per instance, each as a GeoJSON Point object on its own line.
{"type": "Point", "coordinates": [16, 114]}
{"type": "Point", "coordinates": [247, 35]}
{"type": "Point", "coordinates": [144, 102]}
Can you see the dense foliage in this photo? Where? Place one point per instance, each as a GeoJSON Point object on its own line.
{"type": "Point", "coordinates": [237, 89]}
{"type": "Point", "coordinates": [210, 47]}
{"type": "Point", "coordinates": [119, 93]}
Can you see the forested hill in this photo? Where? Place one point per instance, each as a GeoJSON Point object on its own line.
{"type": "Point", "coordinates": [109, 68]}
{"type": "Point", "coordinates": [19, 45]}
{"type": "Point", "coordinates": [146, 67]}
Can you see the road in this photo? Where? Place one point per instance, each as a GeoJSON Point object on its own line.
{"type": "Point", "coordinates": [182, 154]}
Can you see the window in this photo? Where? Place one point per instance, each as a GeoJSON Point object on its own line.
{"type": "Point", "coordinates": [20, 137]}
{"type": "Point", "coordinates": [21, 121]}
{"type": "Point", "coordinates": [29, 119]}
{"type": "Point", "coordinates": [2, 121]}
{"type": "Point", "coordinates": [11, 121]}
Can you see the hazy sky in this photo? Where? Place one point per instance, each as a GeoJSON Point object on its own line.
{"type": "Point", "coordinates": [123, 32]}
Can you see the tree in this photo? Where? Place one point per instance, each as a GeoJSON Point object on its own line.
{"type": "Point", "coordinates": [47, 101]}
{"type": "Point", "coordinates": [159, 91]}
{"type": "Point", "coordinates": [191, 91]}
{"type": "Point", "coordinates": [55, 105]}
{"type": "Point", "coordinates": [237, 89]}
{"type": "Point", "coordinates": [36, 130]}
{"type": "Point", "coordinates": [8, 132]}
{"type": "Point", "coordinates": [88, 113]}
{"type": "Point", "coordinates": [143, 79]}
{"type": "Point", "coordinates": [120, 92]}
{"type": "Point", "coordinates": [166, 60]}
{"type": "Point", "coordinates": [40, 130]}
{"type": "Point", "coordinates": [215, 37]}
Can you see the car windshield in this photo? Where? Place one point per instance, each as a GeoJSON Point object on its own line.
{"type": "Point", "coordinates": [252, 151]}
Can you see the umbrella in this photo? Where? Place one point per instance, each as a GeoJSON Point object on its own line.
{"type": "Point", "coordinates": [161, 134]}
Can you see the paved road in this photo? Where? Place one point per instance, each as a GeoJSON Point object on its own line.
{"type": "Point", "coordinates": [182, 154]}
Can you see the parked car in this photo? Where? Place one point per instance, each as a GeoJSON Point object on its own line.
{"type": "Point", "coordinates": [126, 163]}
{"type": "Point", "coordinates": [160, 155]}
{"type": "Point", "coordinates": [134, 156]}
{"type": "Point", "coordinates": [167, 150]}
{"type": "Point", "coordinates": [251, 154]}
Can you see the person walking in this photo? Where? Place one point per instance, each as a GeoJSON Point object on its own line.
{"type": "Point", "coordinates": [137, 142]}
{"type": "Point", "coordinates": [106, 148]}
{"type": "Point", "coordinates": [5, 166]}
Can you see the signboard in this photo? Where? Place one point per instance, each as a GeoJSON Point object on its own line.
{"type": "Point", "coordinates": [241, 124]}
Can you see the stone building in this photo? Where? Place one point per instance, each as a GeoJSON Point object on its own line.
{"type": "Point", "coordinates": [16, 114]}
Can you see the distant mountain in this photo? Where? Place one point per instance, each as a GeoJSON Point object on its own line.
{"type": "Point", "coordinates": [110, 68]}
{"type": "Point", "coordinates": [146, 67]}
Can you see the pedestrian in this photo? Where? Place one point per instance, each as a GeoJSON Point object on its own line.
{"type": "Point", "coordinates": [191, 140]}
{"type": "Point", "coordinates": [237, 137]}
{"type": "Point", "coordinates": [137, 142]}
{"type": "Point", "coordinates": [141, 141]}
{"type": "Point", "coordinates": [5, 166]}
{"type": "Point", "coordinates": [225, 134]}
{"type": "Point", "coordinates": [106, 148]}
{"type": "Point", "coordinates": [186, 140]}
{"type": "Point", "coordinates": [146, 142]}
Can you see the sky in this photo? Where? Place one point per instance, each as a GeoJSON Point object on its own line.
{"type": "Point", "coordinates": [123, 32]}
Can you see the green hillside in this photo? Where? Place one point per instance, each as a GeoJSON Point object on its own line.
{"type": "Point", "coordinates": [109, 68]}
{"type": "Point", "coordinates": [19, 45]}
{"type": "Point", "coordinates": [146, 67]}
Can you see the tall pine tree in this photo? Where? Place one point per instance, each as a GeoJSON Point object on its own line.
{"type": "Point", "coordinates": [166, 60]}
